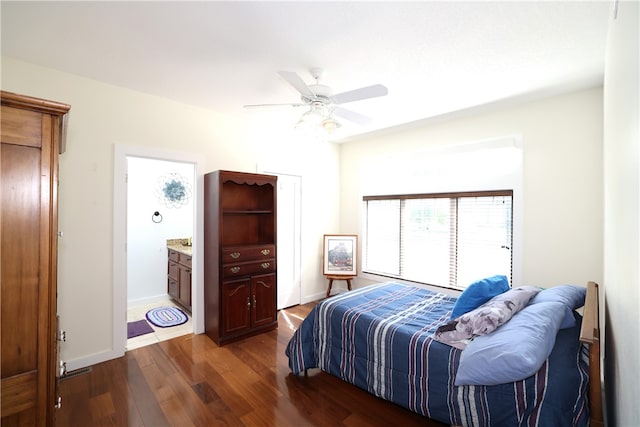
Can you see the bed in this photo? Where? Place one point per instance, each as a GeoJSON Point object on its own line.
{"type": "Point", "coordinates": [381, 339]}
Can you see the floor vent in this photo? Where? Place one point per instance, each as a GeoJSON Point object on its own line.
{"type": "Point", "coordinates": [75, 373]}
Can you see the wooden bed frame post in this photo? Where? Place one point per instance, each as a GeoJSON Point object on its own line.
{"type": "Point", "coordinates": [590, 334]}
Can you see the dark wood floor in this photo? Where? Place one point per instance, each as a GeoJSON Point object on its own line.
{"type": "Point", "coordinates": [190, 381]}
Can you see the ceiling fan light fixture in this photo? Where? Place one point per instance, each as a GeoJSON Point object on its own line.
{"type": "Point", "coordinates": [310, 118]}
{"type": "Point", "coordinates": [330, 124]}
{"type": "Point", "coordinates": [314, 117]}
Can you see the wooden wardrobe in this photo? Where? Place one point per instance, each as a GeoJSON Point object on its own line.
{"type": "Point", "coordinates": [32, 132]}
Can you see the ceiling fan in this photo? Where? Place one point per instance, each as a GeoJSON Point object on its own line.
{"type": "Point", "coordinates": [322, 104]}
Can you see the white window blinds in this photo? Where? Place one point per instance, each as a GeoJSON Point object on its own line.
{"type": "Point", "coordinates": [449, 239]}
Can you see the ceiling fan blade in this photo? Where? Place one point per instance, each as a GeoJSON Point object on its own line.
{"type": "Point", "coordinates": [294, 80]}
{"type": "Point", "coordinates": [352, 116]}
{"type": "Point", "coordinates": [362, 93]}
{"type": "Point", "coordinates": [272, 106]}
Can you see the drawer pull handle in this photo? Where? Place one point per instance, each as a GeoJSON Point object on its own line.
{"type": "Point", "coordinates": [266, 251]}
{"type": "Point", "coordinates": [235, 255]}
{"type": "Point", "coordinates": [254, 301]}
{"type": "Point", "coordinates": [248, 304]}
{"type": "Point", "coordinates": [234, 269]}
{"type": "Point", "coordinates": [58, 403]}
{"type": "Point", "coordinates": [265, 265]}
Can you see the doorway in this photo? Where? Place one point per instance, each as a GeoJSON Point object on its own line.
{"type": "Point", "coordinates": [159, 210]}
{"type": "Point", "coordinates": [122, 155]}
{"type": "Point", "coordinates": [289, 197]}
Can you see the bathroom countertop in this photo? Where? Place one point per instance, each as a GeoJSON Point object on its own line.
{"type": "Point", "coordinates": [178, 245]}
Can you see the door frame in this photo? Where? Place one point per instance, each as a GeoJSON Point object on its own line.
{"type": "Point", "coordinates": [121, 152]}
{"type": "Point", "coordinates": [285, 171]}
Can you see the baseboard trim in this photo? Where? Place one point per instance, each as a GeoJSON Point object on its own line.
{"type": "Point", "coordinates": [92, 359]}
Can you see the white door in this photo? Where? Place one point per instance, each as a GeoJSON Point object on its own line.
{"type": "Point", "coordinates": [289, 259]}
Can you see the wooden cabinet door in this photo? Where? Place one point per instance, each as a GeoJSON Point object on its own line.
{"type": "Point", "coordinates": [263, 299]}
{"type": "Point", "coordinates": [173, 287]}
{"type": "Point", "coordinates": [185, 287]}
{"type": "Point", "coordinates": [236, 306]}
{"type": "Point", "coordinates": [173, 280]}
{"type": "Point", "coordinates": [21, 285]}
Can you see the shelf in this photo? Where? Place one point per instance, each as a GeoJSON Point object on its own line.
{"type": "Point", "coordinates": [247, 212]}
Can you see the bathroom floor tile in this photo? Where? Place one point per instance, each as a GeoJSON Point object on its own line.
{"type": "Point", "coordinates": [160, 334]}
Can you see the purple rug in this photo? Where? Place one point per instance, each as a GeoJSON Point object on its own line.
{"type": "Point", "coordinates": [165, 317]}
{"type": "Point", "coordinates": [137, 328]}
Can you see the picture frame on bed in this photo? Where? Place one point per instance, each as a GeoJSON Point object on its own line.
{"type": "Point", "coordinates": [340, 255]}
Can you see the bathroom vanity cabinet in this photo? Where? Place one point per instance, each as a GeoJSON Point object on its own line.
{"type": "Point", "coordinates": [179, 276]}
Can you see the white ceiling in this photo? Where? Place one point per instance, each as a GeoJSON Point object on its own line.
{"type": "Point", "coordinates": [434, 57]}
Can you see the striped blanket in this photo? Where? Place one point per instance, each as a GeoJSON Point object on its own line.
{"type": "Point", "coordinates": [379, 338]}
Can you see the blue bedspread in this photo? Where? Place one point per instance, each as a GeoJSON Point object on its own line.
{"type": "Point", "coordinates": [379, 338]}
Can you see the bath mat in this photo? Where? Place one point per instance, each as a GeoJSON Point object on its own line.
{"type": "Point", "coordinates": [165, 317]}
{"type": "Point", "coordinates": [137, 328]}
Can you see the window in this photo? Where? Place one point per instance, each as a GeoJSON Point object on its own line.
{"type": "Point", "coordinates": [448, 239]}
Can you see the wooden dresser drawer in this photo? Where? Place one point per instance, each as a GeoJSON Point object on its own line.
{"type": "Point", "coordinates": [173, 255]}
{"type": "Point", "coordinates": [235, 254]}
{"type": "Point", "coordinates": [173, 270]}
{"type": "Point", "coordinates": [248, 268]}
{"type": "Point", "coordinates": [184, 259]}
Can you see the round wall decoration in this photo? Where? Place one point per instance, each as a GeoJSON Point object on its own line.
{"type": "Point", "coordinates": [174, 190]}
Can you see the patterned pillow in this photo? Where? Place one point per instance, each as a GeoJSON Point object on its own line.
{"type": "Point", "coordinates": [486, 318]}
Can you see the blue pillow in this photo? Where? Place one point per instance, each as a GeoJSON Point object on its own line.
{"type": "Point", "coordinates": [571, 296]}
{"type": "Point", "coordinates": [514, 351]}
{"type": "Point", "coordinates": [478, 293]}
{"type": "Point", "coordinates": [486, 318]}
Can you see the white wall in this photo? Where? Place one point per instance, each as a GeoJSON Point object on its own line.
{"type": "Point", "coordinates": [146, 239]}
{"type": "Point", "coordinates": [562, 178]}
{"type": "Point", "coordinates": [103, 115]}
{"type": "Point", "coordinates": [622, 216]}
